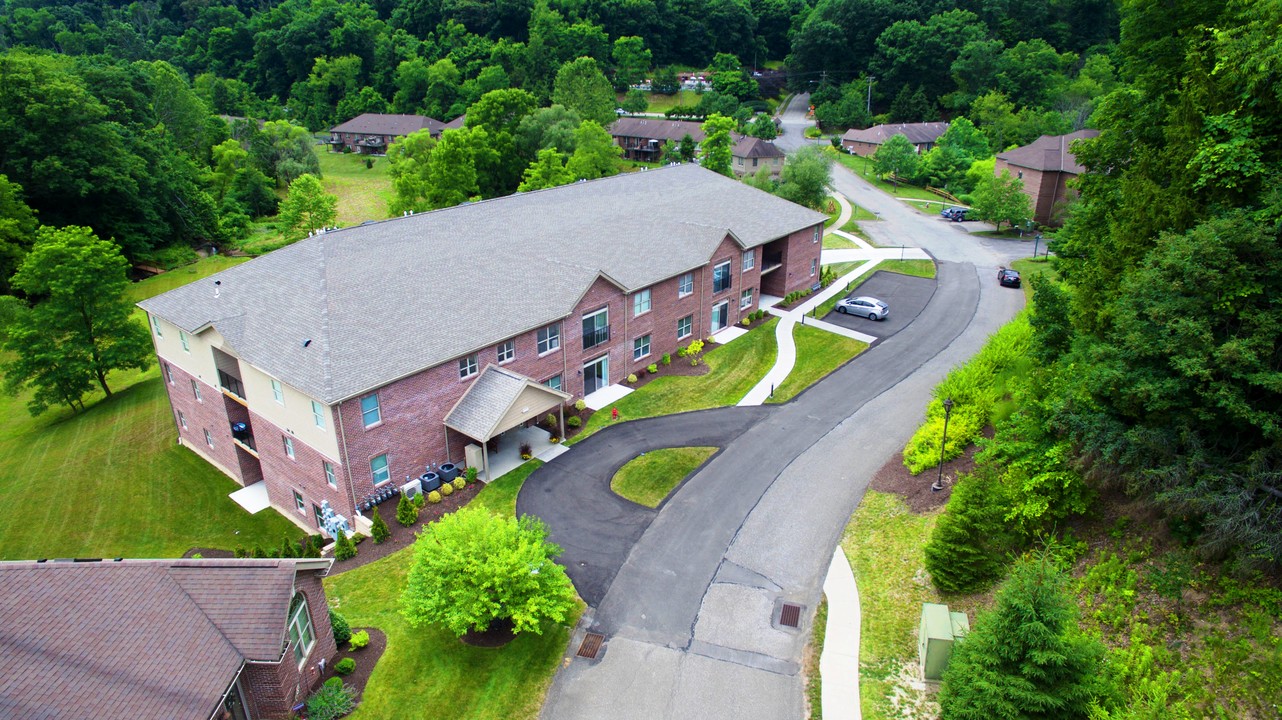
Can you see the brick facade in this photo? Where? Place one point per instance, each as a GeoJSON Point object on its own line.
{"type": "Point", "coordinates": [1046, 189]}
{"type": "Point", "coordinates": [272, 689]}
{"type": "Point", "coordinates": [208, 413]}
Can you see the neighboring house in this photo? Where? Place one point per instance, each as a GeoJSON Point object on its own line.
{"type": "Point", "coordinates": [1045, 166]}
{"type": "Point", "coordinates": [346, 355]}
{"type": "Point", "coordinates": [643, 139]}
{"type": "Point", "coordinates": [865, 142]}
{"type": "Point", "coordinates": [161, 639]}
{"type": "Point", "coordinates": [371, 133]}
{"type": "Point", "coordinates": [455, 124]}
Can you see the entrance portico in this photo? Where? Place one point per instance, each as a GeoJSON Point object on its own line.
{"type": "Point", "coordinates": [500, 400]}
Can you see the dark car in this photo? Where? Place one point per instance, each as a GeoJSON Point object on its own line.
{"type": "Point", "coordinates": [1007, 277]}
{"type": "Point", "coordinates": [956, 214]}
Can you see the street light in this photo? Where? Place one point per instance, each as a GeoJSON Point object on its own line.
{"type": "Point", "coordinates": [948, 411]}
{"type": "Point", "coordinates": [870, 79]}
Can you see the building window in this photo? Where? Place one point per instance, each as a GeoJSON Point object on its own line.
{"type": "Point", "coordinates": [641, 302]}
{"type": "Point", "coordinates": [745, 298]}
{"type": "Point", "coordinates": [550, 338]}
{"type": "Point", "coordinates": [685, 285]}
{"type": "Point", "coordinates": [329, 473]}
{"type": "Point", "coordinates": [749, 260]}
{"type": "Point", "coordinates": [554, 382]}
{"type": "Point", "coordinates": [318, 515]}
{"type": "Point", "coordinates": [596, 328]}
{"type": "Point", "coordinates": [155, 324]}
{"type": "Point", "coordinates": [182, 338]}
{"type": "Point", "coordinates": [169, 374]}
{"type": "Point", "coordinates": [378, 470]}
{"type": "Point", "coordinates": [640, 347]}
{"type": "Point", "coordinates": [754, 162]}
{"type": "Point", "coordinates": [816, 236]}
{"type": "Point", "coordinates": [298, 502]}
{"type": "Point", "coordinates": [278, 392]}
{"type": "Point", "coordinates": [507, 351]}
{"type": "Point", "coordinates": [685, 327]}
{"type": "Point", "coordinates": [371, 414]}
{"type": "Point", "coordinates": [467, 366]}
{"type": "Point", "coordinates": [182, 420]}
{"type": "Point", "coordinates": [721, 277]}
{"type": "Point", "coordinates": [289, 446]}
{"type": "Point", "coordinates": [301, 635]}
{"type": "Point", "coordinates": [318, 414]}
{"type": "Point", "coordinates": [195, 389]}
{"type": "Point", "coordinates": [209, 439]}
{"type": "Point", "coordinates": [814, 263]}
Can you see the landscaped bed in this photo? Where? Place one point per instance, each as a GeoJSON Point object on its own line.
{"type": "Point", "coordinates": [650, 477]}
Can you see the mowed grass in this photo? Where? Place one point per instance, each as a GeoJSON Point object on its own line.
{"type": "Point", "coordinates": [647, 479]}
{"type": "Point", "coordinates": [833, 241]}
{"type": "Point", "coordinates": [178, 277]}
{"type": "Point", "coordinates": [734, 369]}
{"type": "Point", "coordinates": [863, 167]}
{"type": "Point", "coordinates": [819, 352]}
{"type": "Point", "coordinates": [363, 194]}
{"type": "Point", "coordinates": [916, 268]}
{"type": "Point", "coordinates": [499, 497]}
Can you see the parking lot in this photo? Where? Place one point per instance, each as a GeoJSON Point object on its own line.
{"type": "Point", "coordinates": [906, 295]}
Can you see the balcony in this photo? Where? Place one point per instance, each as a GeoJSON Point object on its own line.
{"type": "Point", "coordinates": [231, 386]}
{"type": "Point", "coordinates": [592, 338]}
{"type": "Point", "coordinates": [242, 435]}
{"type": "Point", "coordinates": [771, 262]}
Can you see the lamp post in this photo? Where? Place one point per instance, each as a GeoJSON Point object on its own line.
{"type": "Point", "coordinates": [948, 411]}
{"type": "Point", "coordinates": [869, 108]}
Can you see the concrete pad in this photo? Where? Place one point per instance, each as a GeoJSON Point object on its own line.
{"type": "Point", "coordinates": [726, 335]}
{"type": "Point", "coordinates": [843, 331]}
{"type": "Point", "coordinates": [553, 450]}
{"type": "Point", "coordinates": [253, 497]}
{"type": "Point", "coordinates": [606, 395]}
{"type": "Point", "coordinates": [631, 680]}
{"type": "Point", "coordinates": [738, 616]}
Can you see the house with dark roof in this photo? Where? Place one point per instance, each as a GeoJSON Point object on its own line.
{"type": "Point", "coordinates": [643, 139]}
{"type": "Point", "coordinates": [1045, 166]}
{"type": "Point", "coordinates": [371, 133]}
{"type": "Point", "coordinates": [923, 136]}
{"type": "Point", "coordinates": [161, 639]}
{"type": "Point", "coordinates": [334, 367]}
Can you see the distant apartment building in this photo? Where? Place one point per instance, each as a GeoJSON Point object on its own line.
{"type": "Point", "coordinates": [1045, 166]}
{"type": "Point", "coordinates": [371, 133]}
{"type": "Point", "coordinates": [923, 136]}
{"type": "Point", "coordinates": [643, 139]}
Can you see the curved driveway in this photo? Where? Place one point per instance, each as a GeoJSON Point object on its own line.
{"type": "Point", "coordinates": [688, 595]}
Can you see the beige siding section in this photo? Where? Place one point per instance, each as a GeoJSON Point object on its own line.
{"type": "Point", "coordinates": [197, 360]}
{"type": "Point", "coordinates": [530, 405]}
{"type": "Point", "coordinates": [295, 416]}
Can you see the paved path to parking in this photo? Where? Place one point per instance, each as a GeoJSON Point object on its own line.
{"type": "Point", "coordinates": [688, 595]}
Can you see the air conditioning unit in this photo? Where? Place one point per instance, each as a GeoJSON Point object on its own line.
{"type": "Point", "coordinates": [411, 488]}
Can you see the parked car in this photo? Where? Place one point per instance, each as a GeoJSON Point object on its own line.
{"type": "Point", "coordinates": [869, 307]}
{"type": "Point", "coordinates": [1007, 277]}
{"type": "Point", "coordinates": [956, 214]}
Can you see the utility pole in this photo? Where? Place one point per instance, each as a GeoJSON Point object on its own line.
{"type": "Point", "coordinates": [870, 79]}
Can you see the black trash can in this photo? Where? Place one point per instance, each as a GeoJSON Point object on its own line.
{"type": "Point", "coordinates": [430, 481]}
{"type": "Point", "coordinates": [448, 472]}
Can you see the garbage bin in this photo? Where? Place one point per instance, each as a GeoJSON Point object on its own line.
{"type": "Point", "coordinates": [239, 430]}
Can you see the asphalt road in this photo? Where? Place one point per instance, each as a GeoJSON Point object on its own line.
{"type": "Point", "coordinates": [688, 595]}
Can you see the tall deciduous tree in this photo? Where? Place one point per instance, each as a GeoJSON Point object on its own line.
{"type": "Point", "coordinates": [77, 284]}
{"type": "Point", "coordinates": [582, 87]}
{"type": "Point", "coordinates": [718, 143]}
{"type": "Point", "coordinates": [17, 230]}
{"type": "Point", "coordinates": [308, 205]}
{"type": "Point", "coordinates": [805, 177]}
{"type": "Point", "coordinates": [472, 568]}
{"type": "Point", "coordinates": [1001, 199]}
{"type": "Point", "coordinates": [408, 160]}
{"type": "Point", "coordinates": [284, 151]}
{"type": "Point", "coordinates": [631, 61]}
{"type": "Point", "coordinates": [548, 170]}
{"type": "Point", "coordinates": [595, 155]}
{"type": "Point", "coordinates": [898, 158]}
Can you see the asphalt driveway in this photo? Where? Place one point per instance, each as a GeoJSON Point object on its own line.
{"type": "Point", "coordinates": [906, 295]}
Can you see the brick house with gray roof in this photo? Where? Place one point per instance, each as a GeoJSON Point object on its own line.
{"type": "Point", "coordinates": [643, 139]}
{"type": "Point", "coordinates": [1045, 166]}
{"type": "Point", "coordinates": [339, 358]}
{"type": "Point", "coordinates": [864, 143]}
{"type": "Point", "coordinates": [162, 639]}
{"type": "Point", "coordinates": [371, 133]}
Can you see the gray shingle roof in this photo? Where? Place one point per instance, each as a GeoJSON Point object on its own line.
{"type": "Point", "coordinates": [917, 133]}
{"type": "Point", "coordinates": [380, 124]}
{"type": "Point", "coordinates": [754, 147]}
{"type": "Point", "coordinates": [383, 301]}
{"type": "Point", "coordinates": [1049, 153]}
{"type": "Point", "coordinates": [656, 129]}
{"type": "Point", "coordinates": [488, 399]}
{"type": "Point", "coordinates": [137, 639]}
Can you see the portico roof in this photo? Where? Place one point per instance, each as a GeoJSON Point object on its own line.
{"type": "Point", "coordinates": [499, 400]}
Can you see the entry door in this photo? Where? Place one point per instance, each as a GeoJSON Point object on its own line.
{"type": "Point", "coordinates": [720, 315]}
{"type": "Point", "coordinates": [596, 375]}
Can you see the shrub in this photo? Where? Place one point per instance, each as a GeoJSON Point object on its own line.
{"type": "Point", "coordinates": [434, 496]}
{"type": "Point", "coordinates": [573, 422]}
{"type": "Point", "coordinates": [526, 451]}
{"type": "Point", "coordinates": [695, 347]}
{"type": "Point", "coordinates": [694, 361]}
{"type": "Point", "coordinates": [379, 530]}
{"type": "Point", "coordinates": [459, 483]}
{"type": "Point", "coordinates": [632, 378]}
{"type": "Point", "coordinates": [447, 489]}
{"type": "Point", "coordinates": [333, 700]}
{"type": "Point", "coordinates": [580, 405]}
{"type": "Point", "coordinates": [342, 631]}
{"type": "Point", "coordinates": [681, 352]}
{"type": "Point", "coordinates": [652, 368]}
{"type": "Point", "coordinates": [346, 666]}
{"type": "Point", "coordinates": [966, 549]}
{"type": "Point", "coordinates": [550, 420]}
{"type": "Point", "coordinates": [746, 321]}
{"type": "Point", "coordinates": [406, 513]}
{"type": "Point", "coordinates": [369, 164]}
{"type": "Point", "coordinates": [344, 549]}
{"type": "Point", "coordinates": [360, 640]}
{"type": "Point", "coordinates": [667, 359]}
{"type": "Point", "coordinates": [470, 474]}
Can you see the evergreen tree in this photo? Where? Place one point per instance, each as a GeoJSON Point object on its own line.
{"type": "Point", "coordinates": [1025, 658]}
{"type": "Point", "coordinates": [288, 548]}
{"type": "Point", "coordinates": [965, 549]}
{"type": "Point", "coordinates": [379, 530]}
{"type": "Point", "coordinates": [406, 513]}
{"type": "Point", "coordinates": [344, 548]}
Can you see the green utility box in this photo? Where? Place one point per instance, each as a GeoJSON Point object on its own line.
{"type": "Point", "coordinates": [939, 630]}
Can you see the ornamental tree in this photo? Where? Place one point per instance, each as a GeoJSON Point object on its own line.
{"type": "Point", "coordinates": [1001, 199]}
{"type": "Point", "coordinates": [896, 157]}
{"type": "Point", "coordinates": [718, 143]}
{"type": "Point", "coordinates": [472, 568]}
{"type": "Point", "coordinates": [308, 205]}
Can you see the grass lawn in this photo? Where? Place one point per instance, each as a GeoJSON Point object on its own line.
{"type": "Point", "coordinates": [735, 368]}
{"type": "Point", "coordinates": [499, 497]}
{"type": "Point", "coordinates": [658, 102]}
{"type": "Point", "coordinates": [916, 268]}
{"type": "Point", "coordinates": [1028, 268]}
{"type": "Point", "coordinates": [844, 268]}
{"type": "Point", "coordinates": [832, 241]}
{"type": "Point", "coordinates": [181, 276]}
{"type": "Point", "coordinates": [647, 479]}
{"type": "Point", "coordinates": [863, 167]}
{"type": "Point", "coordinates": [819, 352]}
{"type": "Point", "coordinates": [362, 193]}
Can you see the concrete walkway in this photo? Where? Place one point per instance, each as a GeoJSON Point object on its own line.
{"type": "Point", "coordinates": [846, 212]}
{"type": "Point", "coordinates": [839, 663]}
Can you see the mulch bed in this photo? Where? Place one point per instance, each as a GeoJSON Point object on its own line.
{"type": "Point", "coordinates": [893, 477]}
{"type": "Point", "coordinates": [366, 659]}
{"type": "Point", "coordinates": [368, 552]}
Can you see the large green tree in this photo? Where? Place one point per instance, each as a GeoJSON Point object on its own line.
{"type": "Point", "coordinates": [307, 205]}
{"type": "Point", "coordinates": [547, 171]}
{"type": "Point", "coordinates": [805, 177]}
{"type": "Point", "coordinates": [75, 284]}
{"type": "Point", "coordinates": [595, 155]}
{"type": "Point", "coordinates": [1001, 199]}
{"type": "Point", "coordinates": [472, 568]}
{"type": "Point", "coordinates": [582, 87]}
{"type": "Point", "coordinates": [898, 158]}
{"type": "Point", "coordinates": [718, 143]}
{"type": "Point", "coordinates": [17, 230]}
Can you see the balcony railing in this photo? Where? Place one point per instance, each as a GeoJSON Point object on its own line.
{"type": "Point", "coordinates": [592, 338]}
{"type": "Point", "coordinates": [231, 385]}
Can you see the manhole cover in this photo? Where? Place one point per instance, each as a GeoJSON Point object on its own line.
{"type": "Point", "coordinates": [591, 645]}
{"type": "Point", "coordinates": [790, 615]}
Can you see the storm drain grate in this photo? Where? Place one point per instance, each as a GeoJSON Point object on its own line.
{"type": "Point", "coordinates": [591, 645]}
{"type": "Point", "coordinates": [790, 615]}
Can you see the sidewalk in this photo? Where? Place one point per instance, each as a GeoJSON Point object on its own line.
{"type": "Point", "coordinates": [839, 663]}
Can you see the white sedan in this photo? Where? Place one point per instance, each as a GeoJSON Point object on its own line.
{"type": "Point", "coordinates": [868, 307]}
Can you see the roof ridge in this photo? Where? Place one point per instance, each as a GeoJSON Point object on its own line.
{"type": "Point", "coordinates": [168, 572]}
{"type": "Point", "coordinates": [326, 367]}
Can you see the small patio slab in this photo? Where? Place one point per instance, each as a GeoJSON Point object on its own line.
{"type": "Point", "coordinates": [731, 333]}
{"type": "Point", "coordinates": [605, 396]}
{"type": "Point", "coordinates": [252, 497]}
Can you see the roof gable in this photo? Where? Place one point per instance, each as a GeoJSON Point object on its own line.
{"type": "Point", "coordinates": [383, 124]}
{"type": "Point", "coordinates": [1049, 153]}
{"type": "Point", "coordinates": [917, 133]}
